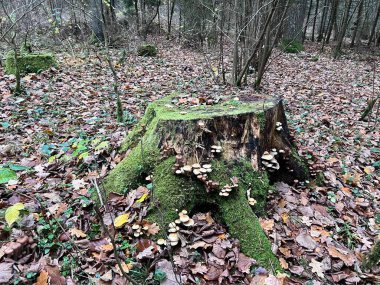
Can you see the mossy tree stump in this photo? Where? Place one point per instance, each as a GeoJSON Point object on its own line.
{"type": "Point", "coordinates": [244, 130]}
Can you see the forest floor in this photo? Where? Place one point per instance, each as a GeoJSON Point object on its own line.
{"type": "Point", "coordinates": [61, 135]}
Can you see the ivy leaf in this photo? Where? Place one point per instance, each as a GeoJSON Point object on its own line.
{"type": "Point", "coordinates": [7, 174]}
{"type": "Point", "coordinates": [13, 212]}
{"type": "Point", "coordinates": [121, 220]}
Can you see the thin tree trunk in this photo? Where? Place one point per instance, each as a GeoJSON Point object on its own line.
{"type": "Point", "coordinates": [332, 19]}
{"type": "Point", "coordinates": [258, 44]}
{"type": "Point", "coordinates": [373, 30]}
{"type": "Point", "coordinates": [357, 23]}
{"type": "Point", "coordinates": [342, 33]}
{"type": "Point", "coordinates": [315, 20]}
{"type": "Point", "coordinates": [307, 21]}
{"type": "Point", "coordinates": [323, 22]}
{"type": "Point", "coordinates": [171, 16]}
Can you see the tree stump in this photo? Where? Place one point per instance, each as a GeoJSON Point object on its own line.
{"type": "Point", "coordinates": [198, 154]}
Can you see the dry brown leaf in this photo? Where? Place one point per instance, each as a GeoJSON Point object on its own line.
{"type": "Point", "coordinates": [77, 232]}
{"type": "Point", "coordinates": [43, 278]}
{"type": "Point", "coordinates": [317, 267]}
{"type": "Point", "coordinates": [347, 257]}
{"type": "Point", "coordinates": [267, 225]}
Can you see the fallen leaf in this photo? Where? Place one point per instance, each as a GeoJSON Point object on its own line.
{"type": "Point", "coordinates": [43, 278]}
{"type": "Point", "coordinates": [13, 213]}
{"type": "Point", "coordinates": [121, 220]}
{"type": "Point", "coordinates": [77, 232]}
{"type": "Point", "coordinates": [344, 255]}
{"type": "Point", "coordinates": [316, 267]}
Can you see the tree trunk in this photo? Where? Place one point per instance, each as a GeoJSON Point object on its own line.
{"type": "Point", "coordinates": [332, 20]}
{"type": "Point", "coordinates": [373, 30]}
{"type": "Point", "coordinates": [357, 23]}
{"type": "Point", "coordinates": [323, 22]}
{"type": "Point", "coordinates": [96, 20]}
{"type": "Point", "coordinates": [342, 32]}
{"type": "Point", "coordinates": [227, 139]}
{"type": "Point", "coordinates": [294, 21]}
{"type": "Point", "coordinates": [315, 21]}
{"type": "Point", "coordinates": [307, 21]}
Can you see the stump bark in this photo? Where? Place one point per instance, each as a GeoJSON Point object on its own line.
{"type": "Point", "coordinates": [169, 137]}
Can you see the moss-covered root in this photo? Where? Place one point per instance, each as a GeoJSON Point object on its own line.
{"type": "Point", "coordinates": [172, 192]}
{"type": "Point", "coordinates": [243, 224]}
{"type": "Point", "coordinates": [373, 258]}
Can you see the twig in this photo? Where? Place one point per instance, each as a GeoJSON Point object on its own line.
{"type": "Point", "coordinates": [112, 239]}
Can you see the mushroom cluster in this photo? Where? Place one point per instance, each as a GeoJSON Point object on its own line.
{"type": "Point", "coordinates": [269, 161]}
{"type": "Point", "coordinates": [200, 171]}
{"type": "Point", "coordinates": [167, 149]}
{"type": "Point", "coordinates": [216, 149]}
{"type": "Point", "coordinates": [139, 230]}
{"type": "Point", "coordinates": [173, 237]}
{"type": "Point", "coordinates": [279, 126]}
{"type": "Point", "coordinates": [225, 191]}
{"type": "Point", "coordinates": [19, 248]}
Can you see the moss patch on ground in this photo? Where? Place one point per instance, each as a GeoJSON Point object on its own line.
{"type": "Point", "coordinates": [29, 62]}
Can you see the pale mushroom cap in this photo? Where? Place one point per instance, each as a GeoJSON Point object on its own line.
{"type": "Point", "coordinates": [189, 223]}
{"type": "Point", "coordinates": [161, 241]}
{"type": "Point", "coordinates": [196, 165]}
{"type": "Point", "coordinates": [203, 170]}
{"type": "Point", "coordinates": [278, 124]}
{"type": "Point", "coordinates": [173, 243]}
{"type": "Point", "coordinates": [173, 237]}
{"type": "Point", "coordinates": [172, 230]}
{"type": "Point", "coordinates": [135, 226]}
{"type": "Point", "coordinates": [187, 168]}
{"type": "Point", "coordinates": [184, 218]}
{"type": "Point", "coordinates": [184, 212]}
{"type": "Point", "coordinates": [177, 221]}
{"type": "Point", "coordinates": [206, 166]}
{"type": "Point", "coordinates": [136, 234]}
{"type": "Point", "coordinates": [178, 171]}
{"type": "Point", "coordinates": [172, 225]}
{"type": "Point", "coordinates": [196, 171]}
{"type": "Point", "coordinates": [267, 156]}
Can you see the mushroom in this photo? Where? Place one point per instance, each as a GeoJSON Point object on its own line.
{"type": "Point", "coordinates": [207, 166]}
{"type": "Point", "coordinates": [184, 218]}
{"type": "Point", "coordinates": [203, 170]}
{"type": "Point", "coordinates": [187, 168]}
{"type": "Point", "coordinates": [173, 237]}
{"type": "Point", "coordinates": [251, 201]}
{"type": "Point", "coordinates": [196, 171]}
{"type": "Point", "coordinates": [161, 241]}
{"type": "Point", "coordinates": [266, 156]}
{"type": "Point", "coordinates": [178, 171]}
{"type": "Point", "coordinates": [278, 124]}
{"type": "Point", "coordinates": [273, 152]}
{"type": "Point", "coordinates": [189, 223]}
{"type": "Point", "coordinates": [135, 227]}
{"type": "Point", "coordinates": [196, 165]}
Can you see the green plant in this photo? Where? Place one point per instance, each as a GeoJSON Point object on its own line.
{"type": "Point", "coordinates": [292, 46]}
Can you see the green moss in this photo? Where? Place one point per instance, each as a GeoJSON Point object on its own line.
{"type": "Point", "coordinates": [29, 62]}
{"type": "Point", "coordinates": [319, 179]}
{"type": "Point", "coordinates": [236, 213]}
{"type": "Point", "coordinates": [373, 258]}
{"type": "Point", "coordinates": [292, 46]}
{"type": "Point", "coordinates": [173, 192]}
{"type": "Point", "coordinates": [147, 50]}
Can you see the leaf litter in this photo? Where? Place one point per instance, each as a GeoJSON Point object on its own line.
{"type": "Point", "coordinates": [62, 133]}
